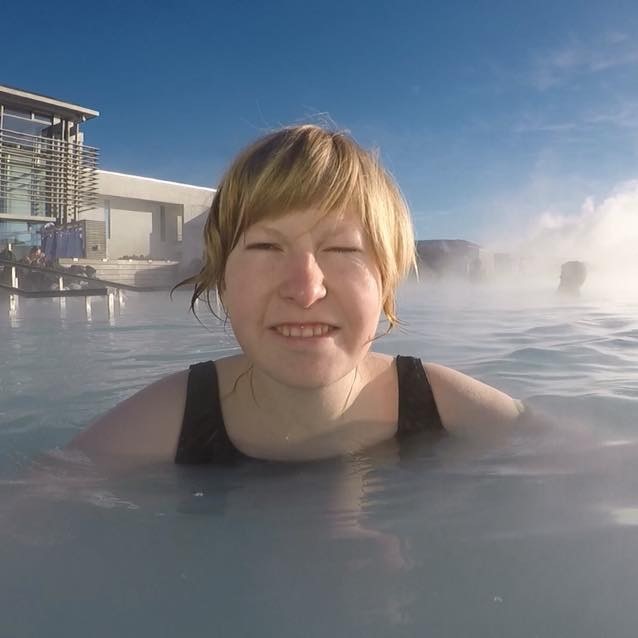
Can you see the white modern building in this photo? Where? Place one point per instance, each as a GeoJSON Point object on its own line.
{"type": "Point", "coordinates": [146, 217]}
{"type": "Point", "coordinates": [50, 183]}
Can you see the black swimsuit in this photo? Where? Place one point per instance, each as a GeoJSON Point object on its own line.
{"type": "Point", "coordinates": [203, 438]}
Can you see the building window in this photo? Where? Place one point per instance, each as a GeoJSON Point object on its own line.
{"type": "Point", "coordinates": [180, 225]}
{"type": "Point", "coordinates": [162, 223]}
{"type": "Point", "coordinates": [107, 218]}
{"type": "Point", "coordinates": [24, 122]}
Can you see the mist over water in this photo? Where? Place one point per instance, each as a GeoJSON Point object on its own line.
{"type": "Point", "coordinates": [602, 234]}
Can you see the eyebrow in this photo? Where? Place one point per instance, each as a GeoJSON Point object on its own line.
{"type": "Point", "coordinates": [332, 230]}
{"type": "Point", "coordinates": [267, 229]}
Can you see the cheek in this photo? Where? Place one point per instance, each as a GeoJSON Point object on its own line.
{"type": "Point", "coordinates": [247, 286]}
{"type": "Point", "coordinates": [370, 294]}
{"type": "Point", "coordinates": [236, 287]}
{"type": "Point", "coordinates": [363, 294]}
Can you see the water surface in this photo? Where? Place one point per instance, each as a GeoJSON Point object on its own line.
{"type": "Point", "coordinates": [535, 535]}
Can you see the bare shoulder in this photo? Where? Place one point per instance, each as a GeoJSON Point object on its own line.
{"type": "Point", "coordinates": [465, 403]}
{"type": "Point", "coordinates": [378, 363]}
{"type": "Point", "coordinates": [379, 374]}
{"type": "Point", "coordinates": [146, 424]}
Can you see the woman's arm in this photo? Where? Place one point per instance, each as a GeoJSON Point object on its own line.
{"type": "Point", "coordinates": [467, 405]}
{"type": "Point", "coordinates": [145, 425]}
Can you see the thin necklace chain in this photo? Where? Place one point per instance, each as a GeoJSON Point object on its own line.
{"type": "Point", "coordinates": [343, 409]}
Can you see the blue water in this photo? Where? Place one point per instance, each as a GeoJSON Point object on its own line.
{"type": "Point", "coordinates": [535, 535]}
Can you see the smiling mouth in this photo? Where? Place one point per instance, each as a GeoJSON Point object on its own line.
{"type": "Point", "coordinates": [304, 331]}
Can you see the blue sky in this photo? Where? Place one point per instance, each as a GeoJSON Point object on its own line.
{"type": "Point", "coordinates": [489, 114]}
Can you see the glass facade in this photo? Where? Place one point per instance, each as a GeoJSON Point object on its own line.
{"type": "Point", "coordinates": [19, 233]}
{"type": "Point", "coordinates": [26, 122]}
{"type": "Point", "coordinates": [45, 169]}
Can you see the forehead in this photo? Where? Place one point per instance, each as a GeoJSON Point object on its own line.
{"type": "Point", "coordinates": [310, 220]}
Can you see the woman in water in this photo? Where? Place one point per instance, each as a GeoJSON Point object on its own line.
{"type": "Point", "coordinates": [306, 242]}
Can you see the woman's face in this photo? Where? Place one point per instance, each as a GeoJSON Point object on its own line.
{"type": "Point", "coordinates": [303, 295]}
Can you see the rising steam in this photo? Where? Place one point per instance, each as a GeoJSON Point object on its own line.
{"type": "Point", "coordinates": [604, 236]}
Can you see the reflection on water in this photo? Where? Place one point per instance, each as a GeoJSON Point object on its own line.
{"type": "Point", "coordinates": [535, 536]}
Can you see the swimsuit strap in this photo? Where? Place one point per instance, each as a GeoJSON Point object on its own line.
{"type": "Point", "coordinates": [203, 438]}
{"type": "Point", "coordinates": [417, 408]}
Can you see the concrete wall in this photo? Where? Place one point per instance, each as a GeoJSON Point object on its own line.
{"type": "Point", "coordinates": [170, 247]}
{"type": "Point", "coordinates": [192, 245]}
{"type": "Point", "coordinates": [135, 214]}
{"type": "Point", "coordinates": [194, 199]}
{"type": "Point", "coordinates": [131, 227]}
{"type": "Point", "coordinates": [97, 214]}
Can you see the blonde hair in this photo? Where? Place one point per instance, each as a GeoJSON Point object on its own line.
{"type": "Point", "coordinates": [301, 167]}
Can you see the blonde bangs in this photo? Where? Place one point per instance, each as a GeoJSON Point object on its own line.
{"type": "Point", "coordinates": [294, 169]}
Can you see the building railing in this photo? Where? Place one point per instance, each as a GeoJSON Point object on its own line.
{"type": "Point", "coordinates": [14, 269]}
{"type": "Point", "coordinates": [12, 272]}
{"type": "Point", "coordinates": [55, 177]}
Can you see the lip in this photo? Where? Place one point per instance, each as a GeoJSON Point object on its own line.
{"type": "Point", "coordinates": [306, 331]}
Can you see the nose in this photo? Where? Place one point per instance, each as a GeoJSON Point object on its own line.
{"type": "Point", "coordinates": [303, 280]}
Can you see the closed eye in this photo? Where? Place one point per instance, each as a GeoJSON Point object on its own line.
{"type": "Point", "coordinates": [263, 246]}
{"type": "Point", "coordinates": [344, 249]}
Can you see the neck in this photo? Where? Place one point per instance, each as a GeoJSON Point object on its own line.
{"type": "Point", "coordinates": [294, 413]}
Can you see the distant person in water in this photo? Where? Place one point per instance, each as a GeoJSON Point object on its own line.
{"type": "Point", "coordinates": [572, 277]}
{"type": "Point", "coordinates": [35, 257]}
{"type": "Point", "coordinates": [33, 279]}
{"type": "Point", "coordinates": [306, 242]}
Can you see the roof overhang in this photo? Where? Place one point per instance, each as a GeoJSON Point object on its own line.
{"type": "Point", "coordinates": [18, 98]}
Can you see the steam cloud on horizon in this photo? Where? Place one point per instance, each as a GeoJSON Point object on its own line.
{"type": "Point", "coordinates": [604, 236]}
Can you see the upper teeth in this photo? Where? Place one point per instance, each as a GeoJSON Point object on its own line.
{"type": "Point", "coordinates": [316, 330]}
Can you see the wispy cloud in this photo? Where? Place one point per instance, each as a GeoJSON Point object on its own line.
{"type": "Point", "coordinates": [575, 57]}
{"type": "Point", "coordinates": [548, 191]}
{"type": "Point", "coordinates": [623, 115]}
{"type": "Point", "coordinates": [535, 124]}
